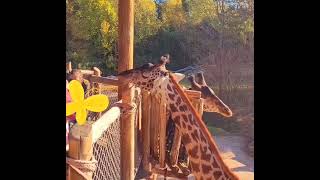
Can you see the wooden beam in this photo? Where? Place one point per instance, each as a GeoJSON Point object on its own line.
{"type": "Point", "coordinates": [86, 72]}
{"type": "Point", "coordinates": [126, 23]}
{"type": "Point", "coordinates": [103, 80]}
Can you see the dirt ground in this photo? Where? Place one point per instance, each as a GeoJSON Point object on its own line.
{"type": "Point", "coordinates": [235, 144]}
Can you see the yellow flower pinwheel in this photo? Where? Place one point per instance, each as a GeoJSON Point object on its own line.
{"type": "Point", "coordinates": [79, 105]}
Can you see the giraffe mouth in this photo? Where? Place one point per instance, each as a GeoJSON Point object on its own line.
{"type": "Point", "coordinates": [226, 112]}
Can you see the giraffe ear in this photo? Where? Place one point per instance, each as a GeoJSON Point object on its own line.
{"type": "Point", "coordinates": [178, 76]}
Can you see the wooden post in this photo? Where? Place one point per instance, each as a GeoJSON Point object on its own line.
{"type": "Point", "coordinates": [80, 143]}
{"type": "Point", "coordinates": [126, 25]}
{"type": "Point", "coordinates": [146, 102]}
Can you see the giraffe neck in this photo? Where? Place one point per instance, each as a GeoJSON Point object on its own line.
{"type": "Point", "coordinates": [205, 160]}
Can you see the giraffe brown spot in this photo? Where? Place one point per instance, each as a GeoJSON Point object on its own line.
{"type": "Point", "coordinates": [204, 155]}
{"type": "Point", "coordinates": [160, 87]}
{"type": "Point", "coordinates": [184, 125]}
{"type": "Point", "coordinates": [185, 139]}
{"type": "Point", "coordinates": [177, 120]}
{"type": "Point", "coordinates": [194, 152]}
{"type": "Point", "coordinates": [173, 108]}
{"type": "Point", "coordinates": [203, 139]}
{"type": "Point", "coordinates": [217, 174]}
{"type": "Point", "coordinates": [201, 178]}
{"type": "Point", "coordinates": [178, 101]}
{"type": "Point", "coordinates": [195, 166]}
{"type": "Point", "coordinates": [174, 90]}
{"type": "Point", "coordinates": [214, 163]}
{"type": "Point", "coordinates": [203, 148]}
{"type": "Point", "coordinates": [183, 108]}
{"type": "Point", "coordinates": [194, 137]}
{"type": "Point", "coordinates": [184, 118]}
{"type": "Point", "coordinates": [169, 88]}
{"type": "Point", "coordinates": [209, 178]}
{"type": "Point", "coordinates": [139, 83]}
{"type": "Point", "coordinates": [171, 96]}
{"type": "Point", "coordinates": [206, 169]}
{"type": "Point", "coordinates": [144, 83]}
{"type": "Point", "coordinates": [189, 128]}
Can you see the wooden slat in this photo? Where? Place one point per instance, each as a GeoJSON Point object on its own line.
{"type": "Point", "coordinates": [162, 133]}
{"type": "Point", "coordinates": [155, 117]}
{"type": "Point", "coordinates": [103, 80]}
{"type": "Point", "coordinates": [152, 124]}
{"type": "Point", "coordinates": [146, 101]}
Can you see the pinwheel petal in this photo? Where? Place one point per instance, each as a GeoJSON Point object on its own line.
{"type": "Point", "coordinates": [96, 103]}
{"type": "Point", "coordinates": [71, 108]}
{"type": "Point", "coordinates": [81, 116]}
{"type": "Point", "coordinates": [76, 91]}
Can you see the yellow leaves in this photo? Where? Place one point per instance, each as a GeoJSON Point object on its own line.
{"type": "Point", "coordinates": [171, 3]}
{"type": "Point", "coordinates": [79, 105]}
{"type": "Point", "coordinates": [105, 26]}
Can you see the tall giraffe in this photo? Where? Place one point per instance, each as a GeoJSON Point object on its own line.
{"type": "Point", "coordinates": [212, 103]}
{"type": "Point", "coordinates": [206, 162]}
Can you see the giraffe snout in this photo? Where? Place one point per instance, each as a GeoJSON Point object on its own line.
{"type": "Point", "coordinates": [227, 111]}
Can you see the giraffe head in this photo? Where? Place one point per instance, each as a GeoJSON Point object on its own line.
{"type": "Point", "coordinates": [145, 75]}
{"type": "Point", "coordinates": [152, 78]}
{"type": "Point", "coordinates": [212, 103]}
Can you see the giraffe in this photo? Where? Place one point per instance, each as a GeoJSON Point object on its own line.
{"type": "Point", "coordinates": [212, 103]}
{"type": "Point", "coordinates": [205, 160]}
